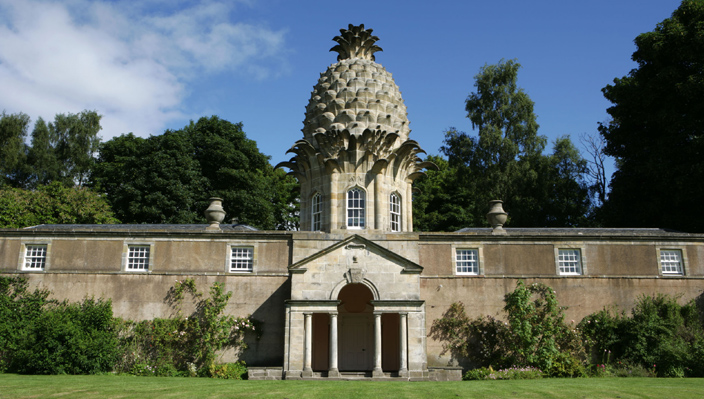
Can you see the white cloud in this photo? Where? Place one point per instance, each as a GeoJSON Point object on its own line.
{"type": "Point", "coordinates": [131, 64]}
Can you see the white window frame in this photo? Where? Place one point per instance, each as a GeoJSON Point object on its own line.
{"type": "Point", "coordinates": [458, 263]}
{"type": "Point", "coordinates": [25, 256]}
{"type": "Point", "coordinates": [395, 212]}
{"type": "Point", "coordinates": [355, 220]}
{"type": "Point", "coordinates": [662, 264]}
{"type": "Point", "coordinates": [316, 212]}
{"type": "Point", "coordinates": [127, 257]}
{"type": "Point", "coordinates": [234, 255]}
{"type": "Point", "coordinates": [563, 264]}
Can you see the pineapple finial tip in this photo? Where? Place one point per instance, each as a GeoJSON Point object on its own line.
{"type": "Point", "coordinates": [356, 42]}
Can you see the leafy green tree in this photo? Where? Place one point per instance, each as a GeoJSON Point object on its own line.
{"type": "Point", "coordinates": [42, 161]}
{"type": "Point", "coordinates": [169, 178]}
{"type": "Point", "coordinates": [440, 201]}
{"type": "Point", "coordinates": [657, 131]}
{"type": "Point", "coordinates": [504, 161]}
{"type": "Point", "coordinates": [77, 142]}
{"type": "Point", "coordinates": [53, 204]}
{"type": "Point", "coordinates": [13, 152]}
{"type": "Point", "coordinates": [564, 199]}
{"type": "Point", "coordinates": [503, 115]}
{"type": "Point", "coordinates": [60, 151]}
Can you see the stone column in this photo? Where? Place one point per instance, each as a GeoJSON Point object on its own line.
{"type": "Point", "coordinates": [333, 371]}
{"type": "Point", "coordinates": [377, 372]}
{"type": "Point", "coordinates": [403, 340]}
{"type": "Point", "coordinates": [308, 346]}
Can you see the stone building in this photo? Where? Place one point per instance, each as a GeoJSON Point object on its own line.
{"type": "Point", "coordinates": [356, 291]}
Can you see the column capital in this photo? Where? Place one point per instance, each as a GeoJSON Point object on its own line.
{"type": "Point", "coordinates": [378, 313]}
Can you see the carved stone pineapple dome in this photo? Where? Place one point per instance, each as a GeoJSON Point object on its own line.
{"type": "Point", "coordinates": [356, 94]}
{"type": "Point", "coordinates": [355, 163]}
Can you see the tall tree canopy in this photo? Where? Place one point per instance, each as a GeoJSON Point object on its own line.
{"type": "Point", "coordinates": [62, 150]}
{"type": "Point", "coordinates": [169, 178]}
{"type": "Point", "coordinates": [13, 152]}
{"type": "Point", "coordinates": [657, 131]}
{"type": "Point", "coordinates": [504, 161]}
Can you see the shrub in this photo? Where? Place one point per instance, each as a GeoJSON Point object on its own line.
{"type": "Point", "coordinates": [534, 336]}
{"type": "Point", "coordinates": [230, 371]}
{"type": "Point", "coordinates": [539, 336]}
{"type": "Point", "coordinates": [510, 373]}
{"type": "Point", "coordinates": [481, 341]}
{"type": "Point", "coordinates": [69, 338]}
{"type": "Point", "coordinates": [19, 308]}
{"type": "Point", "coordinates": [661, 336]}
{"type": "Point", "coordinates": [481, 373]}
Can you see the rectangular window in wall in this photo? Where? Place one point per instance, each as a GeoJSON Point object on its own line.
{"type": "Point", "coordinates": [467, 261]}
{"type": "Point", "coordinates": [395, 212]}
{"type": "Point", "coordinates": [35, 257]}
{"type": "Point", "coordinates": [570, 261]}
{"type": "Point", "coordinates": [355, 208]}
{"type": "Point", "coordinates": [671, 261]}
{"type": "Point", "coordinates": [317, 213]}
{"type": "Point", "coordinates": [138, 257]}
{"type": "Point", "coordinates": [241, 259]}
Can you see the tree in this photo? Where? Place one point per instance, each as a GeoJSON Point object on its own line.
{"type": "Point", "coordinates": [657, 131]}
{"type": "Point", "coordinates": [77, 141]}
{"type": "Point", "coordinates": [53, 204]}
{"type": "Point", "coordinates": [60, 151]}
{"type": "Point", "coordinates": [504, 162]}
{"type": "Point", "coordinates": [565, 201]}
{"type": "Point", "coordinates": [596, 166]}
{"type": "Point", "coordinates": [43, 163]}
{"type": "Point", "coordinates": [440, 202]}
{"type": "Point", "coordinates": [13, 131]}
{"type": "Point", "coordinates": [169, 178]}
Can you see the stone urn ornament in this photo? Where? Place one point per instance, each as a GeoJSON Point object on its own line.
{"type": "Point", "coordinates": [497, 216]}
{"type": "Point", "coordinates": [215, 213]}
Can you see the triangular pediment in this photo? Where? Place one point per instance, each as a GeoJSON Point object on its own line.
{"type": "Point", "coordinates": [358, 242]}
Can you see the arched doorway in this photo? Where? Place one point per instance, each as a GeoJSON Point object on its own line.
{"type": "Point", "coordinates": [356, 328]}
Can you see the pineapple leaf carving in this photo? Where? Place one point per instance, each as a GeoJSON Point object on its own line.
{"type": "Point", "coordinates": [356, 42]}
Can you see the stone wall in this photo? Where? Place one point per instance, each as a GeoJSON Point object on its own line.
{"type": "Point", "coordinates": [582, 296]}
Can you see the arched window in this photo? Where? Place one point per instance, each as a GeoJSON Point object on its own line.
{"type": "Point", "coordinates": [355, 208]}
{"type": "Point", "coordinates": [395, 212]}
{"type": "Point", "coordinates": [317, 212]}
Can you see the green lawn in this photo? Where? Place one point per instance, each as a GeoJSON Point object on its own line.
{"type": "Point", "coordinates": [108, 386]}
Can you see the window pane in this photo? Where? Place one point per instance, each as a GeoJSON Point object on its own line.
{"type": "Point", "coordinates": [35, 257]}
{"type": "Point", "coordinates": [467, 262]}
{"type": "Point", "coordinates": [241, 259]}
{"type": "Point", "coordinates": [317, 213]}
{"type": "Point", "coordinates": [671, 261]}
{"type": "Point", "coordinates": [569, 261]}
{"type": "Point", "coordinates": [138, 257]}
{"type": "Point", "coordinates": [395, 212]}
{"type": "Point", "coordinates": [355, 208]}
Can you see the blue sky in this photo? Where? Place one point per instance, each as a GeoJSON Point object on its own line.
{"type": "Point", "coordinates": [154, 65]}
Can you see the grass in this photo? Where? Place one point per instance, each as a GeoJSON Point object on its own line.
{"type": "Point", "coordinates": [110, 386]}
